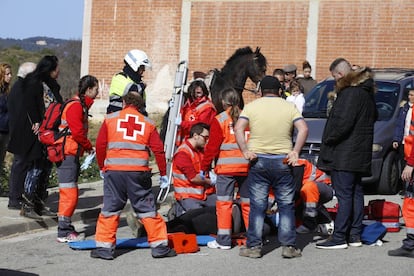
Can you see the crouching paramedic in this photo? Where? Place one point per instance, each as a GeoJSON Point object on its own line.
{"type": "Point", "coordinates": [315, 191]}
{"type": "Point", "coordinates": [122, 153]}
{"type": "Point", "coordinates": [231, 168]}
{"type": "Point", "coordinates": [192, 189]}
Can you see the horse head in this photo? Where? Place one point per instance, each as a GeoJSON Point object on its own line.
{"type": "Point", "coordinates": [243, 64]}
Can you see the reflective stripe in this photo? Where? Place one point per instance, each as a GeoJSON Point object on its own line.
{"type": "Point", "coordinates": [224, 198]}
{"type": "Point", "coordinates": [245, 200]}
{"type": "Point", "coordinates": [232, 160]}
{"type": "Point", "coordinates": [126, 145]}
{"type": "Point", "coordinates": [110, 214]}
{"type": "Point", "coordinates": [408, 230]}
{"type": "Point", "coordinates": [151, 214]}
{"type": "Point", "coordinates": [126, 161]}
{"type": "Point", "coordinates": [113, 115]}
{"type": "Point", "coordinates": [104, 244]}
{"type": "Point", "coordinates": [232, 146]}
{"type": "Point", "coordinates": [157, 243]}
{"type": "Point", "coordinates": [179, 176]}
{"type": "Point", "coordinates": [223, 231]}
{"type": "Point", "coordinates": [68, 185]}
{"type": "Point", "coordinates": [189, 190]}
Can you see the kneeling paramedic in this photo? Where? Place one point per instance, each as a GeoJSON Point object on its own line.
{"type": "Point", "coordinates": [122, 154]}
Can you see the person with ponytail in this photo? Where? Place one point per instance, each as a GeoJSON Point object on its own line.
{"type": "Point", "coordinates": [74, 116]}
{"type": "Point", "coordinates": [231, 168]}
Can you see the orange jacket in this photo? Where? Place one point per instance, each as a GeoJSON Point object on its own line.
{"type": "Point", "coordinates": [230, 159]}
{"type": "Point", "coordinates": [312, 173]}
{"type": "Point", "coordinates": [75, 117]}
{"type": "Point", "coordinates": [128, 139]}
{"type": "Point", "coordinates": [183, 187]}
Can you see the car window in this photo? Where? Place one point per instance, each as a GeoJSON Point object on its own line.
{"type": "Point", "coordinates": [316, 101]}
{"type": "Point", "coordinates": [386, 99]}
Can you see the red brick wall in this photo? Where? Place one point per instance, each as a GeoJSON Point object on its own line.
{"type": "Point", "coordinates": [366, 32]}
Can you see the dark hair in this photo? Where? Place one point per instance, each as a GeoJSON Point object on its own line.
{"type": "Point", "coordinates": [336, 62]}
{"type": "Point", "coordinates": [45, 66]}
{"type": "Point", "coordinates": [278, 71]}
{"type": "Point", "coordinates": [305, 65]}
{"type": "Point", "coordinates": [194, 85]}
{"type": "Point", "coordinates": [231, 98]}
{"type": "Point", "coordinates": [135, 99]}
{"type": "Point", "coordinates": [198, 128]}
{"type": "Point", "coordinates": [86, 82]}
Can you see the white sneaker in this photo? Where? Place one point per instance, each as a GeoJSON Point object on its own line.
{"type": "Point", "coordinates": [215, 245]}
{"type": "Point", "coordinates": [73, 236]}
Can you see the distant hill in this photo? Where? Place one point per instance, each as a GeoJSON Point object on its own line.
{"type": "Point", "coordinates": [34, 44]}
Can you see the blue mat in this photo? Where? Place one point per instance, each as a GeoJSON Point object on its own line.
{"type": "Point", "coordinates": [130, 243]}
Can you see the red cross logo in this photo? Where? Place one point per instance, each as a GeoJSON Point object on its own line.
{"type": "Point", "coordinates": [131, 127]}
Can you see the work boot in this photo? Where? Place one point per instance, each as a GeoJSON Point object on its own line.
{"type": "Point", "coordinates": [401, 252]}
{"type": "Point", "coordinates": [162, 251]}
{"type": "Point", "coordinates": [103, 253]}
{"type": "Point", "coordinates": [42, 210]}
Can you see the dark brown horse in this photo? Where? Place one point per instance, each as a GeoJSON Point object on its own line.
{"type": "Point", "coordinates": [243, 64]}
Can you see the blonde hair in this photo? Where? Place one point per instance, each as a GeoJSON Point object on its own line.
{"type": "Point", "coordinates": [5, 86]}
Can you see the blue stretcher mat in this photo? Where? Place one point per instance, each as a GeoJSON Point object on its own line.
{"type": "Point", "coordinates": [130, 243]}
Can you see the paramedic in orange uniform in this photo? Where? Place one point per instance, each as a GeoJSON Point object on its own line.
{"type": "Point", "coordinates": [231, 168]}
{"type": "Point", "coordinates": [122, 151]}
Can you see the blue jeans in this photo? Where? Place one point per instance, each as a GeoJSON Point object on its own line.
{"type": "Point", "coordinates": [350, 195]}
{"type": "Point", "coordinates": [264, 174]}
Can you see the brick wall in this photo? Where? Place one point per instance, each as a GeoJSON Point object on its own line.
{"type": "Point", "coordinates": [374, 33]}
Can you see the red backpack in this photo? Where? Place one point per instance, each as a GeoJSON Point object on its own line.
{"type": "Point", "coordinates": [49, 132]}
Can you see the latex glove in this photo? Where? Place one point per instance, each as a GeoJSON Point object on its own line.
{"type": "Point", "coordinates": [101, 174]}
{"type": "Point", "coordinates": [213, 177]}
{"type": "Point", "coordinates": [178, 120]}
{"type": "Point", "coordinates": [164, 182]}
{"type": "Point", "coordinates": [88, 161]}
{"type": "Point", "coordinates": [202, 175]}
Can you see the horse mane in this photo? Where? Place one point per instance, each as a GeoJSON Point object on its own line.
{"type": "Point", "coordinates": [239, 52]}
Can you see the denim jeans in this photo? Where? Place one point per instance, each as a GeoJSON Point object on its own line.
{"type": "Point", "coordinates": [350, 195]}
{"type": "Point", "coordinates": [265, 173]}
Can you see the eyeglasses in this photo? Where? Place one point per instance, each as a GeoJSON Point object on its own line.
{"type": "Point", "coordinates": [206, 137]}
{"type": "Point", "coordinates": [288, 73]}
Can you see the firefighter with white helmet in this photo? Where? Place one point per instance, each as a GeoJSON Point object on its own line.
{"type": "Point", "coordinates": [130, 79]}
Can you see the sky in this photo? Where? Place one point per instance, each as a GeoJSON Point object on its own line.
{"type": "Point", "coordinates": [52, 18]}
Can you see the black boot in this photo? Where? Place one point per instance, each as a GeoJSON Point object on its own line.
{"type": "Point", "coordinates": [42, 210]}
{"type": "Point", "coordinates": [28, 208]}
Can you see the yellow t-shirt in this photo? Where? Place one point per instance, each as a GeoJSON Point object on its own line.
{"type": "Point", "coordinates": [271, 125]}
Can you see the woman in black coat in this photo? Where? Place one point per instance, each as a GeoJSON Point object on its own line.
{"type": "Point", "coordinates": [26, 143]}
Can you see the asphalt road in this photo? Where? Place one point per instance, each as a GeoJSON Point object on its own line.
{"type": "Point", "coordinates": [39, 254]}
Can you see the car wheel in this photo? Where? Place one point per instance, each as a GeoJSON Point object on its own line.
{"type": "Point", "coordinates": [389, 182]}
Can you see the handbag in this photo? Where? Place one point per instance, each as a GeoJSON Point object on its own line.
{"type": "Point", "coordinates": [373, 232]}
{"type": "Point", "coordinates": [386, 212]}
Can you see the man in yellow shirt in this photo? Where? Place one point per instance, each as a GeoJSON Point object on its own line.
{"type": "Point", "coordinates": [271, 155]}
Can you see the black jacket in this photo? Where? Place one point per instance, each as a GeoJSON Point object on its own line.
{"type": "Point", "coordinates": [348, 135]}
{"type": "Point", "coordinates": [26, 106]}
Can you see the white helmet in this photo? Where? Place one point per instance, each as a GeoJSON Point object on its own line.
{"type": "Point", "coordinates": [135, 58]}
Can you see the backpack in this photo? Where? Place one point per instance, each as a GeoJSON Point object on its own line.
{"type": "Point", "coordinates": [49, 132]}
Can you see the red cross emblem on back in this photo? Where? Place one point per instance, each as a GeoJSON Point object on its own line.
{"type": "Point", "coordinates": [131, 127]}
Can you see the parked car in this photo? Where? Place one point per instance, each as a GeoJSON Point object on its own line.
{"type": "Point", "coordinates": [392, 86]}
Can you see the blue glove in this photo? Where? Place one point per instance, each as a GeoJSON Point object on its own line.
{"type": "Point", "coordinates": [164, 182]}
{"type": "Point", "coordinates": [101, 174]}
{"type": "Point", "coordinates": [202, 175]}
{"type": "Point", "coordinates": [88, 161]}
{"type": "Point", "coordinates": [213, 177]}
